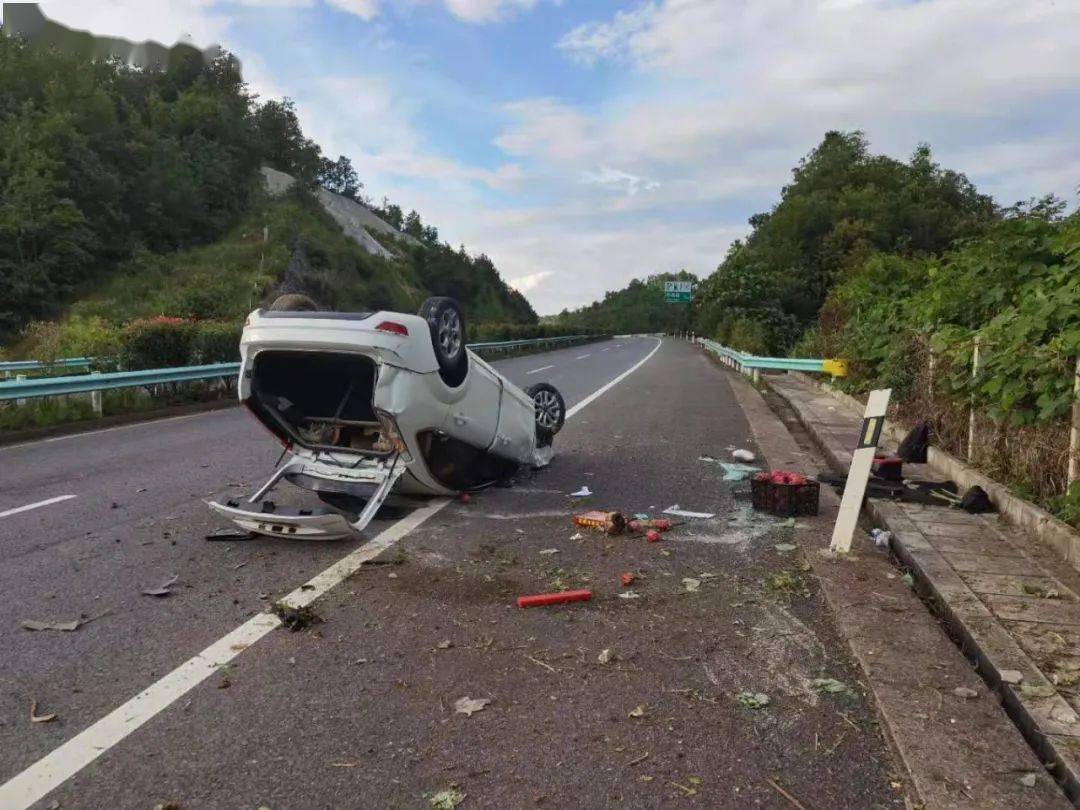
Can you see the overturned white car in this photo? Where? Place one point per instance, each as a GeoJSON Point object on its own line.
{"type": "Point", "coordinates": [367, 403]}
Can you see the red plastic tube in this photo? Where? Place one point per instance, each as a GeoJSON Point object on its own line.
{"type": "Point", "coordinates": [542, 599]}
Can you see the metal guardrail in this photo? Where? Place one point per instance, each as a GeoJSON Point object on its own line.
{"type": "Point", "coordinates": [743, 361]}
{"type": "Point", "coordinates": [89, 383]}
{"type": "Point", "coordinates": [17, 366]}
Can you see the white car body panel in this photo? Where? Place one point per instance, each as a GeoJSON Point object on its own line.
{"type": "Point", "coordinates": [486, 412]}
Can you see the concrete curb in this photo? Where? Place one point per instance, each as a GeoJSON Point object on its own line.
{"type": "Point", "coordinates": [1043, 526]}
{"type": "Point", "coordinates": [1048, 723]}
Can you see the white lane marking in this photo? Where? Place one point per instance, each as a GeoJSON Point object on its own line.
{"type": "Point", "coordinates": [604, 350]}
{"type": "Point", "coordinates": [542, 368]}
{"type": "Point", "coordinates": [582, 357]}
{"type": "Point", "coordinates": [62, 763]}
{"type": "Point", "coordinates": [37, 505]}
{"type": "Point", "coordinates": [571, 411]}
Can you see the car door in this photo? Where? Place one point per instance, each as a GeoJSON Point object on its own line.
{"type": "Point", "coordinates": [474, 417]}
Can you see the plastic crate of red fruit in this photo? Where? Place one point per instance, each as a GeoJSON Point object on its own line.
{"type": "Point", "coordinates": [785, 494]}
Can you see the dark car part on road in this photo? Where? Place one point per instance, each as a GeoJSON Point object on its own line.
{"type": "Point", "coordinates": [447, 325]}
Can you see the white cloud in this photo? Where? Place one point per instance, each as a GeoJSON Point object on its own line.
{"type": "Point", "coordinates": [484, 11]}
{"type": "Point", "coordinates": [625, 182]}
{"type": "Point", "coordinates": [364, 9]}
{"type": "Point", "coordinates": [525, 283]}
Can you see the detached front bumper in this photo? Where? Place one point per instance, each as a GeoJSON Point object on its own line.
{"type": "Point", "coordinates": [264, 517]}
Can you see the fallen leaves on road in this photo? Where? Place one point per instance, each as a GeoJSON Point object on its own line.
{"type": "Point", "coordinates": [295, 618]}
{"type": "Point", "coordinates": [831, 685]}
{"type": "Point", "coordinates": [163, 588]}
{"type": "Point", "coordinates": [605, 656]}
{"type": "Point", "coordinates": [39, 718]}
{"type": "Point", "coordinates": [692, 585]}
{"type": "Point", "coordinates": [446, 799]}
{"type": "Point", "coordinates": [468, 706]}
{"type": "Point", "coordinates": [445, 644]}
{"type": "Point", "coordinates": [753, 700]}
{"type": "Point", "coordinates": [637, 711]}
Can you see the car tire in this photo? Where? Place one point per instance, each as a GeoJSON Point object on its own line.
{"type": "Point", "coordinates": [447, 326]}
{"type": "Point", "coordinates": [550, 409]}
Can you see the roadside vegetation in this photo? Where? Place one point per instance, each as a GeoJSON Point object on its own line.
{"type": "Point", "coordinates": [901, 267]}
{"type": "Point", "coordinates": [130, 194]}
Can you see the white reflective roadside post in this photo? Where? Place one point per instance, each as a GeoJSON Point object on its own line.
{"type": "Point", "coordinates": [861, 461]}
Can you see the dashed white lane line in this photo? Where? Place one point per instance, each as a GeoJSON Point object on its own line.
{"type": "Point", "coordinates": [583, 356]}
{"type": "Point", "coordinates": [56, 767]}
{"type": "Point", "coordinates": [37, 505]}
{"type": "Point", "coordinates": [604, 350]}
{"type": "Point", "coordinates": [542, 368]}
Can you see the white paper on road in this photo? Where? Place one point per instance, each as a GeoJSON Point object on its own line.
{"type": "Point", "coordinates": [675, 510]}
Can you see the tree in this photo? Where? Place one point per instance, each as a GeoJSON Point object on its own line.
{"type": "Point", "coordinates": [339, 177]}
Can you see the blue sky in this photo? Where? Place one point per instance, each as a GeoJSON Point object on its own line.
{"type": "Point", "coordinates": [581, 144]}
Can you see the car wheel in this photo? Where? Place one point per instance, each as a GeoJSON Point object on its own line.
{"type": "Point", "coordinates": [447, 326]}
{"type": "Point", "coordinates": [550, 408]}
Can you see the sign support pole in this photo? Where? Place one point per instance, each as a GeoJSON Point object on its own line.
{"type": "Point", "coordinates": [861, 461]}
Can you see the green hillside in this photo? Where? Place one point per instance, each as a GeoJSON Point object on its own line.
{"type": "Point", "coordinates": [128, 194]}
{"type": "Point", "coordinates": [639, 307]}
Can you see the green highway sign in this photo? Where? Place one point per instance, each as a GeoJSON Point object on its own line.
{"type": "Point", "coordinates": [678, 292]}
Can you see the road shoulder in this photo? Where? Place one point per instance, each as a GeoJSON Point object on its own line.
{"type": "Point", "coordinates": [958, 751]}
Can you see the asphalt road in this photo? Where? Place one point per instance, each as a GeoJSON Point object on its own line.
{"type": "Point", "coordinates": [358, 711]}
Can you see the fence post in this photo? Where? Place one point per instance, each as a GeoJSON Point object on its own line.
{"type": "Point", "coordinates": [971, 411]}
{"type": "Point", "coordinates": [95, 399]}
{"type": "Point", "coordinates": [1074, 433]}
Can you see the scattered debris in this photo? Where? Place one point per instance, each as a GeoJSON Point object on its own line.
{"type": "Point", "coordinates": [640, 525]}
{"type": "Point", "coordinates": [543, 599]}
{"type": "Point", "coordinates": [678, 512]}
{"type": "Point", "coordinates": [881, 538]}
{"type": "Point", "coordinates": [605, 656]}
{"type": "Point", "coordinates": [637, 711]}
{"type": "Point", "coordinates": [577, 536]}
{"type": "Point", "coordinates": [1041, 591]}
{"type": "Point", "coordinates": [39, 718]}
{"type": "Point", "coordinates": [627, 578]}
{"type": "Point", "coordinates": [609, 522]}
{"type": "Point", "coordinates": [584, 492]}
{"type": "Point", "coordinates": [464, 497]}
{"type": "Point", "coordinates": [791, 799]}
{"type": "Point", "coordinates": [738, 472]}
{"type": "Point", "coordinates": [446, 799]}
{"type": "Point", "coordinates": [831, 686]}
{"type": "Point", "coordinates": [908, 579]}
{"type": "Point", "coordinates": [445, 644]}
{"type": "Point", "coordinates": [688, 791]}
{"type": "Point", "coordinates": [468, 705]}
{"type": "Point", "coordinates": [67, 627]}
{"type": "Point", "coordinates": [753, 700]}
{"type": "Point", "coordinates": [629, 595]}
{"type": "Point", "coordinates": [231, 535]}
{"type": "Point", "coordinates": [783, 548]}
{"type": "Point", "coordinates": [1027, 780]}
{"type": "Point", "coordinates": [788, 583]}
{"type": "Point", "coordinates": [965, 692]}
{"type": "Point", "coordinates": [1012, 676]}
{"type": "Point", "coordinates": [163, 588]}
{"type": "Point", "coordinates": [640, 516]}
{"type": "Point", "coordinates": [540, 663]}
{"type": "Point", "coordinates": [549, 551]}
{"type": "Point", "coordinates": [295, 618]}
{"type": "Point", "coordinates": [743, 455]}
{"type": "Point", "coordinates": [637, 759]}
{"type": "Point", "coordinates": [652, 536]}
{"type": "Point", "coordinates": [691, 584]}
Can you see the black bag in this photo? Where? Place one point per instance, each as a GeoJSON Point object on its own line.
{"type": "Point", "coordinates": [976, 500]}
{"type": "Point", "coordinates": [913, 447]}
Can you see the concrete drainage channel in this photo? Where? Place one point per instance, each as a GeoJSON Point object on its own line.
{"type": "Point", "coordinates": [1007, 602]}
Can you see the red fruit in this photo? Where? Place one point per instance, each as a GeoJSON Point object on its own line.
{"type": "Point", "coordinates": [652, 536]}
{"type": "Point", "coordinates": [627, 578]}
